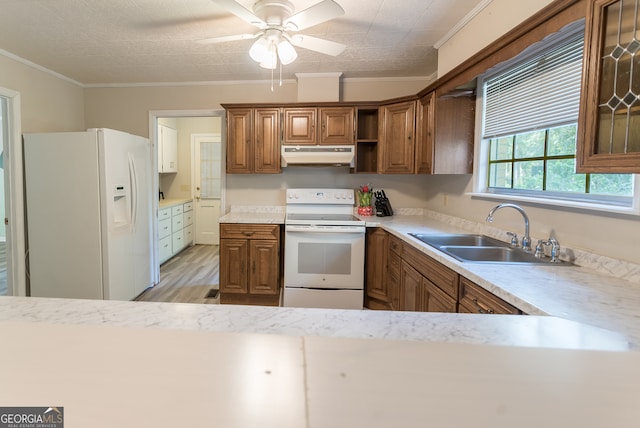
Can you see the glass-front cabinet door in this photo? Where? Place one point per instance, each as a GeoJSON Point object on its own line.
{"type": "Point", "coordinates": [609, 125]}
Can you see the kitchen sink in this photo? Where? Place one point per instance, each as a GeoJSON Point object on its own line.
{"type": "Point", "coordinates": [458, 240]}
{"type": "Point", "coordinates": [480, 249]}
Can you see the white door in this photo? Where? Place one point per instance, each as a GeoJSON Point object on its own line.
{"type": "Point", "coordinates": [207, 169]}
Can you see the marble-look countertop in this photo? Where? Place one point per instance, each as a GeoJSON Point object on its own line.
{"type": "Point", "coordinates": [106, 376]}
{"type": "Point", "coordinates": [503, 330]}
{"type": "Point", "coordinates": [596, 291]}
{"type": "Point", "coordinates": [587, 294]}
{"type": "Point", "coordinates": [254, 214]}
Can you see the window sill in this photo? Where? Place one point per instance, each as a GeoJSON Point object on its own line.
{"type": "Point", "coordinates": [559, 203]}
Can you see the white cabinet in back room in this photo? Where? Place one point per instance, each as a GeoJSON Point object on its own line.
{"type": "Point", "coordinates": [175, 229]}
{"type": "Point", "coordinates": [167, 149]}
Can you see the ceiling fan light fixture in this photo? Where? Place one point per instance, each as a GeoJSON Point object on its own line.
{"type": "Point", "coordinates": [270, 61]}
{"type": "Point", "coordinates": [286, 52]}
{"type": "Point", "coordinates": [259, 51]}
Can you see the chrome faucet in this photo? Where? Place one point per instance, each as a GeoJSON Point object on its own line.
{"type": "Point", "coordinates": [526, 239]}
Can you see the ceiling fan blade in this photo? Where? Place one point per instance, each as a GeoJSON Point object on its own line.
{"type": "Point", "coordinates": [241, 12]}
{"type": "Point", "coordinates": [228, 38]}
{"type": "Point", "coordinates": [316, 14]}
{"type": "Point", "coordinates": [319, 45]}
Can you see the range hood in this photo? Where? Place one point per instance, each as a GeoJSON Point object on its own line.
{"type": "Point", "coordinates": [318, 155]}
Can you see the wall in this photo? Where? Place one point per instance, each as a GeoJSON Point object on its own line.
{"type": "Point", "coordinates": [605, 234]}
{"type": "Point", "coordinates": [48, 103]}
{"type": "Point", "coordinates": [127, 109]}
{"type": "Point", "coordinates": [496, 19]}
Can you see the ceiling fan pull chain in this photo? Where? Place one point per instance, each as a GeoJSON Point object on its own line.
{"type": "Point", "coordinates": [280, 73]}
{"type": "Point", "coordinates": [272, 80]}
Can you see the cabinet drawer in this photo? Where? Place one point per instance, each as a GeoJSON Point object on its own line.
{"type": "Point", "coordinates": [436, 272]}
{"type": "Point", "coordinates": [164, 213]}
{"type": "Point", "coordinates": [188, 218]}
{"type": "Point", "coordinates": [395, 245]}
{"type": "Point", "coordinates": [188, 235]}
{"type": "Point", "coordinates": [164, 228]}
{"type": "Point", "coordinates": [250, 231]}
{"type": "Point", "coordinates": [165, 251]}
{"type": "Point", "coordinates": [176, 210]}
{"type": "Point", "coordinates": [476, 299]}
{"type": "Point", "coordinates": [187, 207]}
{"type": "Point", "coordinates": [177, 239]}
{"type": "Point", "coordinates": [177, 222]}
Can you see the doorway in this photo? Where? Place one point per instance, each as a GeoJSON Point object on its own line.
{"type": "Point", "coordinates": [12, 238]}
{"type": "Point", "coordinates": [181, 184]}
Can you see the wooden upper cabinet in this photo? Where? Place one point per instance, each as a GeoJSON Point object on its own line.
{"type": "Point", "coordinates": [267, 140]}
{"type": "Point", "coordinates": [299, 126]}
{"type": "Point", "coordinates": [397, 138]}
{"type": "Point", "coordinates": [445, 133]}
{"type": "Point", "coordinates": [609, 121]}
{"type": "Point", "coordinates": [336, 126]}
{"type": "Point", "coordinates": [323, 125]}
{"type": "Point", "coordinates": [239, 141]}
{"type": "Point", "coordinates": [253, 141]}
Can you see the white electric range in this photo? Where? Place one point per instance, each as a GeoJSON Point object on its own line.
{"type": "Point", "coordinates": [324, 250]}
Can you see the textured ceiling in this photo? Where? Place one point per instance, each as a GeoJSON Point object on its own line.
{"type": "Point", "coordinates": [154, 41]}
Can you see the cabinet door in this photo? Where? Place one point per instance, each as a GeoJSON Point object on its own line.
{"type": "Point", "coordinates": [264, 272]}
{"type": "Point", "coordinates": [336, 126]}
{"type": "Point", "coordinates": [397, 148]}
{"type": "Point", "coordinates": [167, 149]}
{"type": "Point", "coordinates": [267, 141]}
{"type": "Point", "coordinates": [609, 120]}
{"type": "Point", "coordinates": [239, 138]}
{"type": "Point", "coordinates": [233, 266]}
{"type": "Point", "coordinates": [425, 130]}
{"type": "Point", "coordinates": [436, 300]}
{"type": "Point", "coordinates": [377, 255]}
{"type": "Point", "coordinates": [410, 288]}
{"type": "Point", "coordinates": [299, 126]}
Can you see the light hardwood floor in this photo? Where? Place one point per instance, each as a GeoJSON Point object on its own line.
{"type": "Point", "coordinates": [188, 277]}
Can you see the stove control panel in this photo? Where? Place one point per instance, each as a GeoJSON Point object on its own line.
{"type": "Point", "coordinates": [320, 196]}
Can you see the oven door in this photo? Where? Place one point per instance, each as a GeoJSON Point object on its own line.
{"type": "Point", "coordinates": [324, 257]}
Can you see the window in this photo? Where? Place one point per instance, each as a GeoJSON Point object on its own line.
{"type": "Point", "coordinates": [530, 113]}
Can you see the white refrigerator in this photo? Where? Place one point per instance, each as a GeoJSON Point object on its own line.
{"type": "Point", "coordinates": [89, 214]}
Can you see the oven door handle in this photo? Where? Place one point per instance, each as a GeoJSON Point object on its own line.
{"type": "Point", "coordinates": [325, 229]}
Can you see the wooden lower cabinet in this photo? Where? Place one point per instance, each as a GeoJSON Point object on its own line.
{"type": "Point", "coordinates": [377, 295]}
{"type": "Point", "coordinates": [250, 264]}
{"type": "Point", "coordinates": [402, 278]}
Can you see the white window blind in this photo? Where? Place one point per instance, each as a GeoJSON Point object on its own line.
{"type": "Point", "coordinates": [542, 92]}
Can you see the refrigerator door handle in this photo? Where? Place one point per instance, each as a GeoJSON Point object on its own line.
{"type": "Point", "coordinates": [133, 184]}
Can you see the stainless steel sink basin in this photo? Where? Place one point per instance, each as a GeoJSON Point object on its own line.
{"type": "Point", "coordinates": [440, 240]}
{"type": "Point", "coordinates": [480, 249]}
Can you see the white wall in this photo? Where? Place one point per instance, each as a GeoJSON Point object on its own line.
{"type": "Point", "coordinates": [496, 19]}
{"type": "Point", "coordinates": [48, 103]}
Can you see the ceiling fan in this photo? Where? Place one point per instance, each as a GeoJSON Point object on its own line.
{"type": "Point", "coordinates": [276, 20]}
